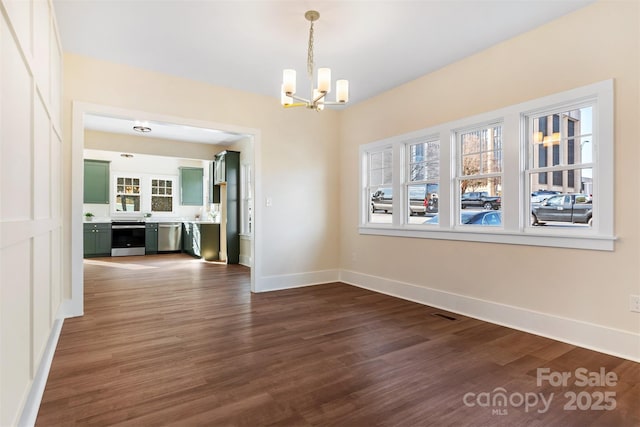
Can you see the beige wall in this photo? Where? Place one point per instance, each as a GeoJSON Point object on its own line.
{"type": "Point", "coordinates": [593, 44]}
{"type": "Point", "coordinates": [297, 150]}
{"type": "Point", "coordinates": [30, 208]}
{"type": "Point", "coordinates": [97, 140]}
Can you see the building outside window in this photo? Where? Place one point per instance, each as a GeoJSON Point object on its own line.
{"type": "Point", "coordinates": [565, 136]}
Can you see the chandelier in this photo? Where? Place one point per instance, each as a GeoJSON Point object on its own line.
{"type": "Point", "coordinates": [318, 95]}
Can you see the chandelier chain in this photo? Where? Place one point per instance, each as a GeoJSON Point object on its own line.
{"type": "Point", "coordinates": [310, 53]}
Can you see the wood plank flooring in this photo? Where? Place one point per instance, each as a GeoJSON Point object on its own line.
{"type": "Point", "coordinates": [169, 340]}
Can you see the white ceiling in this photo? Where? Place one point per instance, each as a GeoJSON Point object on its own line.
{"type": "Point", "coordinates": [245, 45]}
{"type": "Point", "coordinates": [160, 130]}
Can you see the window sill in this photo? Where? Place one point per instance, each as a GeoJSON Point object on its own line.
{"type": "Point", "coordinates": [593, 242]}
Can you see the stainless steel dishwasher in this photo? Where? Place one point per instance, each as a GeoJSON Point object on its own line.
{"type": "Point", "coordinates": [169, 236]}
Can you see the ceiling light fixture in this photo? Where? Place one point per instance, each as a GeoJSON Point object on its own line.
{"type": "Point", "coordinates": [142, 129]}
{"type": "Point", "coordinates": [318, 95]}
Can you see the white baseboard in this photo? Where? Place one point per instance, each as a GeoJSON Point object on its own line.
{"type": "Point", "coordinates": [245, 260]}
{"type": "Point", "coordinates": [70, 308]}
{"type": "Point", "coordinates": [288, 281]}
{"type": "Point", "coordinates": [32, 404]}
{"type": "Point", "coordinates": [594, 337]}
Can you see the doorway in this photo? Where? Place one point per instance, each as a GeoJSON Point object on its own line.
{"type": "Point", "coordinates": [81, 111]}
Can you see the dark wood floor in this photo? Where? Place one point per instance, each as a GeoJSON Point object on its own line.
{"type": "Point", "coordinates": [168, 340]}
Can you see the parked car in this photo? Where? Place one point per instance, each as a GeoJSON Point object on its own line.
{"type": "Point", "coordinates": [544, 193]}
{"type": "Point", "coordinates": [416, 199]}
{"type": "Point", "coordinates": [423, 199]}
{"type": "Point", "coordinates": [489, 218]}
{"type": "Point", "coordinates": [480, 199]}
{"type": "Point", "coordinates": [431, 203]}
{"type": "Point", "coordinates": [539, 196]}
{"type": "Point", "coordinates": [573, 208]}
{"type": "Point", "coordinates": [382, 200]}
{"type": "Point", "coordinates": [420, 202]}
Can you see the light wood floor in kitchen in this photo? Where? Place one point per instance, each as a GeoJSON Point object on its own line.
{"type": "Point", "coordinates": [169, 340]}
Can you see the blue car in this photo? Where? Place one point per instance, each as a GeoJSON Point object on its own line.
{"type": "Point", "coordinates": [489, 218]}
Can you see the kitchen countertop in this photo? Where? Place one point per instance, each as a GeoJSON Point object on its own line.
{"type": "Point", "coordinates": [201, 222]}
{"type": "Point", "coordinates": [153, 220]}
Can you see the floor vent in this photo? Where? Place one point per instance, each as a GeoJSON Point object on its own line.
{"type": "Point", "coordinates": [444, 316]}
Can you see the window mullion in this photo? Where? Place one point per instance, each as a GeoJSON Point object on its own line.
{"type": "Point", "coordinates": [512, 179]}
{"type": "Point", "coordinates": [398, 162]}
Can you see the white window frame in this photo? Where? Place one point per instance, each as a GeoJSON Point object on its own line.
{"type": "Point", "coordinates": [367, 187]}
{"type": "Point", "coordinates": [140, 193]}
{"type": "Point", "coordinates": [246, 201]}
{"type": "Point", "coordinates": [174, 191]}
{"type": "Point", "coordinates": [563, 165]}
{"type": "Point", "coordinates": [407, 182]}
{"type": "Point", "coordinates": [456, 136]}
{"type": "Point", "coordinates": [515, 194]}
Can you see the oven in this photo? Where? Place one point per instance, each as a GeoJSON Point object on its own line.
{"type": "Point", "coordinates": [127, 238]}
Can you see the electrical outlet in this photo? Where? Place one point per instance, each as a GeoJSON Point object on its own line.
{"type": "Point", "coordinates": [634, 303]}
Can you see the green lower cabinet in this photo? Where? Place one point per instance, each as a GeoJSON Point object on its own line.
{"type": "Point", "coordinates": [201, 240]}
{"type": "Point", "coordinates": [151, 238]}
{"type": "Point", "coordinates": [97, 239]}
{"type": "Point", "coordinates": [188, 235]}
{"type": "Point", "coordinates": [210, 242]}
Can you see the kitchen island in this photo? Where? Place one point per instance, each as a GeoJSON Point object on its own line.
{"type": "Point", "coordinates": [201, 239]}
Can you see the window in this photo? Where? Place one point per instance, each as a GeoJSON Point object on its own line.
{"type": "Point", "coordinates": [379, 189]}
{"type": "Point", "coordinates": [570, 141]}
{"type": "Point", "coordinates": [536, 173]}
{"type": "Point", "coordinates": [144, 193]}
{"type": "Point", "coordinates": [161, 195]}
{"type": "Point", "coordinates": [127, 194]}
{"type": "Point", "coordinates": [423, 175]}
{"type": "Point", "coordinates": [246, 200]}
{"type": "Point", "coordinates": [480, 170]}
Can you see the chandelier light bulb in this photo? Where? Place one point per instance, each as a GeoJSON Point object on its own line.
{"type": "Point", "coordinates": [289, 82]}
{"type": "Point", "coordinates": [324, 80]}
{"type": "Point", "coordinates": [342, 91]}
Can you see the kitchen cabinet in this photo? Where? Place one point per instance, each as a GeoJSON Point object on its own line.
{"type": "Point", "coordinates": [215, 194]}
{"type": "Point", "coordinates": [191, 186]}
{"type": "Point", "coordinates": [210, 241]}
{"type": "Point", "coordinates": [151, 238]}
{"type": "Point", "coordinates": [189, 233]}
{"type": "Point", "coordinates": [219, 168]}
{"type": "Point", "coordinates": [227, 173]}
{"type": "Point", "coordinates": [97, 239]}
{"type": "Point", "coordinates": [96, 181]}
{"type": "Point", "coordinates": [214, 189]}
{"type": "Point", "coordinates": [201, 240]}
